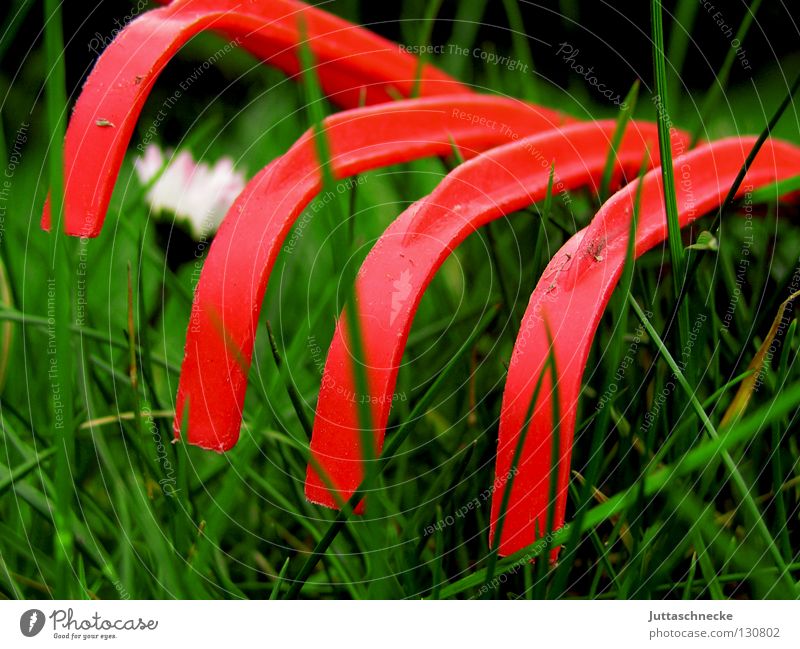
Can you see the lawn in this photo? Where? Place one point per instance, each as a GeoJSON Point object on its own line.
{"type": "Point", "coordinates": [682, 484]}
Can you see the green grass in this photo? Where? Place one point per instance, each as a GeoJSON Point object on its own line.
{"type": "Point", "coordinates": [683, 508]}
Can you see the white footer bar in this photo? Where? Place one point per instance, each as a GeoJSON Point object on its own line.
{"type": "Point", "coordinates": [376, 625]}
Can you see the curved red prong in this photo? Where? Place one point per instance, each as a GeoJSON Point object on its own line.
{"type": "Point", "coordinates": [349, 59]}
{"type": "Point", "coordinates": [228, 299]}
{"type": "Point", "coordinates": [569, 301]}
{"type": "Point", "coordinates": [407, 256]}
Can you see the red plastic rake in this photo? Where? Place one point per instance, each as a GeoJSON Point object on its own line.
{"type": "Point", "coordinates": [353, 65]}
{"type": "Point", "coordinates": [407, 256]}
{"type": "Point", "coordinates": [570, 299]}
{"type": "Point", "coordinates": [234, 279]}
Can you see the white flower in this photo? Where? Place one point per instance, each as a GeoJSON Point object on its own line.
{"type": "Point", "coordinates": [194, 192]}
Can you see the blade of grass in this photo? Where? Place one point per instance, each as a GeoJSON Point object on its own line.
{"type": "Point", "coordinates": [6, 330]}
{"type": "Point", "coordinates": [776, 190]}
{"type": "Point", "coordinates": [547, 207]}
{"type": "Point", "coordinates": [59, 296]}
{"type": "Point", "coordinates": [508, 302]}
{"type": "Point", "coordinates": [719, 85]}
{"type": "Point", "coordinates": [665, 152]}
{"type": "Point", "coordinates": [291, 389]}
{"type": "Point", "coordinates": [276, 586]}
{"type": "Point", "coordinates": [599, 429]}
{"type": "Point", "coordinates": [722, 579]}
{"type": "Point", "coordinates": [24, 469]}
{"type": "Point", "coordinates": [505, 292]}
{"type": "Point", "coordinates": [681, 430]}
{"type": "Point", "coordinates": [437, 576]}
{"type": "Point", "coordinates": [757, 365]}
{"type": "Point", "coordinates": [762, 137]}
{"type": "Point", "coordinates": [737, 479]}
{"type": "Point", "coordinates": [522, 49]}
{"type": "Point", "coordinates": [701, 516]}
{"type": "Point", "coordinates": [619, 131]}
{"type": "Point", "coordinates": [781, 514]}
{"type": "Point", "coordinates": [679, 36]}
{"type": "Point", "coordinates": [696, 459]}
{"type": "Point", "coordinates": [9, 579]}
{"type": "Point", "coordinates": [707, 569]}
{"type": "Point", "coordinates": [314, 103]}
{"type": "Point", "coordinates": [13, 22]}
{"type": "Point", "coordinates": [306, 520]}
{"type": "Point", "coordinates": [693, 261]}
{"type": "Point", "coordinates": [468, 19]}
{"type": "Point", "coordinates": [340, 250]}
{"type": "Point", "coordinates": [428, 22]}
{"type": "Point", "coordinates": [555, 463]}
{"type": "Point", "coordinates": [509, 479]}
{"type": "Point", "coordinates": [687, 587]}
{"type": "Point", "coordinates": [442, 486]}
{"type": "Point", "coordinates": [389, 451]}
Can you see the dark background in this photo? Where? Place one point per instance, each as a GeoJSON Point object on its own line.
{"type": "Point", "coordinates": [611, 36]}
